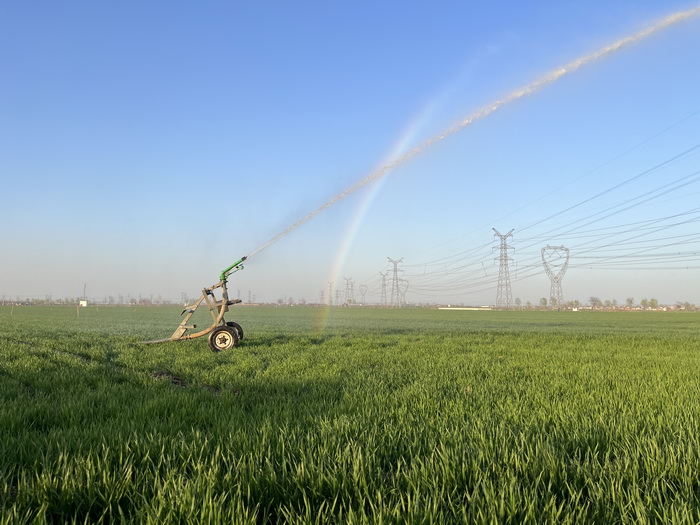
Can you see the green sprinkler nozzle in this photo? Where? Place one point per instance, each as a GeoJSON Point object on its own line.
{"type": "Point", "coordinates": [232, 269]}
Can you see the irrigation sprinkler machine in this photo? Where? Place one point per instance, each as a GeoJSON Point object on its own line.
{"type": "Point", "coordinates": [223, 335]}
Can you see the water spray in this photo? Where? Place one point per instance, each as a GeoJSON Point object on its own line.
{"type": "Point", "coordinates": [529, 89]}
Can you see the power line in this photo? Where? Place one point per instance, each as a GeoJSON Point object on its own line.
{"type": "Point", "coordinates": [467, 271]}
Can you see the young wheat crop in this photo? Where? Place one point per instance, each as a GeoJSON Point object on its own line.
{"type": "Point", "coordinates": [415, 416]}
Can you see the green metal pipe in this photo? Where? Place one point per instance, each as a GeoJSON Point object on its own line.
{"type": "Point", "coordinates": [228, 271]}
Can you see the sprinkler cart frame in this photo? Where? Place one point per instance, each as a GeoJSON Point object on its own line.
{"type": "Point", "coordinates": [222, 335]}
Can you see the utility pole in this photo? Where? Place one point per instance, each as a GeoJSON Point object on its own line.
{"type": "Point", "coordinates": [504, 296]}
{"type": "Point", "coordinates": [395, 291]}
{"type": "Point", "coordinates": [555, 260]}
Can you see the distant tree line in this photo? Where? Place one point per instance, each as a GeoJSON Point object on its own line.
{"type": "Point", "coordinates": [73, 301]}
{"type": "Point", "coordinates": [596, 303]}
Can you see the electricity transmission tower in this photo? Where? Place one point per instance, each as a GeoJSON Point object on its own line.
{"type": "Point", "coordinates": [383, 299]}
{"type": "Point", "coordinates": [504, 296]}
{"type": "Point", "coordinates": [363, 292]}
{"type": "Point", "coordinates": [349, 290]}
{"type": "Point", "coordinates": [330, 293]}
{"type": "Point", "coordinates": [395, 290]}
{"type": "Point", "coordinates": [555, 260]}
{"type": "Point", "coordinates": [403, 287]}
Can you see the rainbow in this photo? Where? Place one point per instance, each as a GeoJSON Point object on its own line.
{"type": "Point", "coordinates": [400, 147]}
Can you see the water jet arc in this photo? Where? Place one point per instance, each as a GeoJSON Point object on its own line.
{"type": "Point", "coordinates": [529, 89]}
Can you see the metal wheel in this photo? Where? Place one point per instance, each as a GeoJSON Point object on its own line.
{"type": "Point", "coordinates": [223, 338]}
{"type": "Point", "coordinates": [237, 328]}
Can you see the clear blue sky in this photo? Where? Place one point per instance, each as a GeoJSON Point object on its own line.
{"type": "Point", "coordinates": [144, 146]}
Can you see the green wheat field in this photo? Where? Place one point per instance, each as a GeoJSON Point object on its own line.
{"type": "Point", "coordinates": [350, 415]}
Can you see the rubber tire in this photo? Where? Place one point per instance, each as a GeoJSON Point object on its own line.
{"type": "Point", "coordinates": [223, 338]}
{"type": "Point", "coordinates": [237, 328]}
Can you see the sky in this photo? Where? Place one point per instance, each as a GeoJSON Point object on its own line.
{"type": "Point", "coordinates": [145, 146]}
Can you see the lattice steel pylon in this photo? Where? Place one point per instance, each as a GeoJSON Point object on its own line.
{"type": "Point", "coordinates": [504, 296]}
{"type": "Point", "coordinates": [403, 288]}
{"type": "Point", "coordinates": [383, 299]}
{"type": "Point", "coordinates": [395, 291]}
{"type": "Point", "coordinates": [363, 292]}
{"type": "Point", "coordinates": [555, 260]}
{"type": "Point", "coordinates": [349, 290]}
